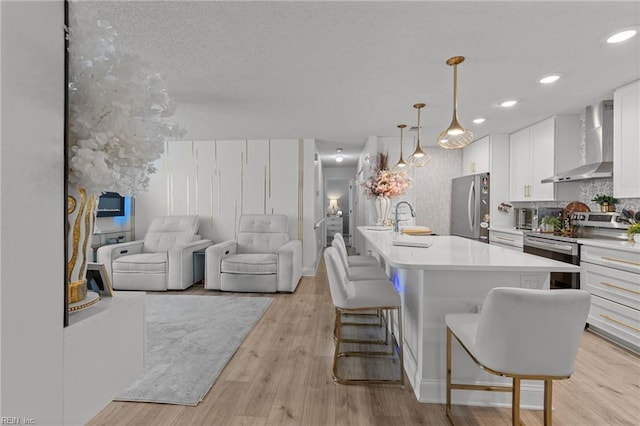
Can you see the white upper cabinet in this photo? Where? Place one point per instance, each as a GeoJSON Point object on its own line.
{"type": "Point", "coordinates": [476, 157]}
{"type": "Point", "coordinates": [626, 141]}
{"type": "Point", "coordinates": [540, 151]}
{"type": "Point", "coordinates": [532, 158]}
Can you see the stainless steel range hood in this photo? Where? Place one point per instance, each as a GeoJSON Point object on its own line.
{"type": "Point", "coordinates": [598, 146]}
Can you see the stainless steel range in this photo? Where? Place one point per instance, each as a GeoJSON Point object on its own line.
{"type": "Point", "coordinates": [564, 247]}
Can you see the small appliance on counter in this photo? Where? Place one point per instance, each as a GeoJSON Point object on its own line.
{"type": "Point", "coordinates": [531, 218]}
{"type": "Point", "coordinates": [525, 218]}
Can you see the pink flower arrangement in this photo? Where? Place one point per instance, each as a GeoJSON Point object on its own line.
{"type": "Point", "coordinates": [386, 183]}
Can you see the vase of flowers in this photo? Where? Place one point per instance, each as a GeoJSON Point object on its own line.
{"type": "Point", "coordinates": [117, 125]}
{"type": "Point", "coordinates": [384, 184]}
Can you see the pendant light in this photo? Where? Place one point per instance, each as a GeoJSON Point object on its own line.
{"type": "Point", "coordinates": [401, 164]}
{"type": "Point", "coordinates": [419, 158]}
{"type": "Point", "coordinates": [455, 136]}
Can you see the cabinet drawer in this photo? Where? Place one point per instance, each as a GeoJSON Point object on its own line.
{"type": "Point", "coordinates": [615, 319]}
{"type": "Point", "coordinates": [612, 284]}
{"type": "Point", "coordinates": [624, 260]}
{"type": "Point", "coordinates": [503, 238]}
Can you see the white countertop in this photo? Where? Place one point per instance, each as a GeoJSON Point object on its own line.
{"type": "Point", "coordinates": [629, 246]}
{"type": "Point", "coordinates": [457, 253]}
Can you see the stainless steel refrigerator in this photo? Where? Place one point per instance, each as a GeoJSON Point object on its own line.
{"type": "Point", "coordinates": [470, 207]}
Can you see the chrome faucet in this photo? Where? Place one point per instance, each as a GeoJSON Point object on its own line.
{"type": "Point", "coordinates": [395, 222]}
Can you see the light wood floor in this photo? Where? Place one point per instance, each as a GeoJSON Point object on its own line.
{"type": "Point", "coordinates": [281, 375]}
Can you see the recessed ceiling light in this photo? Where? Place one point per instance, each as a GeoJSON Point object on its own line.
{"type": "Point", "coordinates": [339, 157]}
{"type": "Point", "coordinates": [621, 35]}
{"type": "Point", "coordinates": [479, 120]}
{"type": "Point", "coordinates": [549, 79]}
{"type": "Point", "coordinates": [507, 104]}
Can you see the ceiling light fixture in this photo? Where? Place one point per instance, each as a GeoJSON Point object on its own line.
{"type": "Point", "coordinates": [621, 35]}
{"type": "Point", "coordinates": [339, 157]}
{"type": "Point", "coordinates": [508, 104]}
{"type": "Point", "coordinates": [401, 164]}
{"type": "Point", "coordinates": [549, 79]}
{"type": "Point", "coordinates": [455, 136]}
{"type": "Point", "coordinates": [419, 158]}
{"type": "Point", "coordinates": [479, 120]}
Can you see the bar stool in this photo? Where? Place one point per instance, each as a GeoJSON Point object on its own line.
{"type": "Point", "coordinates": [524, 334]}
{"type": "Point", "coordinates": [354, 297]}
{"type": "Point", "coordinates": [362, 273]}
{"type": "Point", "coordinates": [358, 272]}
{"type": "Point", "coordinates": [354, 260]}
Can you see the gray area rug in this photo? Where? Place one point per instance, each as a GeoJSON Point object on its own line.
{"type": "Point", "coordinates": [189, 340]}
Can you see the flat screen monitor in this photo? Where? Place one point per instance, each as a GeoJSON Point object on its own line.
{"type": "Point", "coordinates": [111, 204]}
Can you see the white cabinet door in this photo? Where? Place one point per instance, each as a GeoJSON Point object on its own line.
{"type": "Point", "coordinates": [626, 141]}
{"type": "Point", "coordinates": [542, 159]}
{"type": "Point", "coordinates": [475, 157]}
{"type": "Point", "coordinates": [532, 158]}
{"type": "Point", "coordinates": [519, 165]}
{"type": "Point", "coordinates": [255, 177]}
{"type": "Point", "coordinates": [230, 165]}
{"type": "Point", "coordinates": [284, 182]}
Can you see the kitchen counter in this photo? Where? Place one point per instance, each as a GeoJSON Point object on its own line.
{"type": "Point", "coordinates": [453, 274]}
{"type": "Point", "coordinates": [458, 254]}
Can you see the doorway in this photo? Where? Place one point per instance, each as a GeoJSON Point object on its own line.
{"type": "Point", "coordinates": [337, 208]}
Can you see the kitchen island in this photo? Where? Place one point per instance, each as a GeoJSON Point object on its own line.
{"type": "Point", "coordinates": [452, 274]}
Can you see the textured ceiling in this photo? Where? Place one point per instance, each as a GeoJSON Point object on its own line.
{"type": "Point", "coordinates": [342, 71]}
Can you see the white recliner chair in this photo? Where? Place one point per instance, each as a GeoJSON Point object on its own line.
{"type": "Point", "coordinates": [262, 260]}
{"type": "Point", "coordinates": [162, 261]}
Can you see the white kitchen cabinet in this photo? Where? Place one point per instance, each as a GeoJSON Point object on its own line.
{"type": "Point", "coordinates": [476, 157]}
{"type": "Point", "coordinates": [540, 151]}
{"type": "Point", "coordinates": [510, 240]}
{"type": "Point", "coordinates": [519, 165]}
{"type": "Point", "coordinates": [626, 141]}
{"type": "Point", "coordinates": [613, 279]}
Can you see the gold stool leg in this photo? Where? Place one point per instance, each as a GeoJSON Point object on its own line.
{"type": "Point", "coordinates": [548, 395]}
{"type": "Point", "coordinates": [448, 407]}
{"type": "Point", "coordinates": [515, 402]}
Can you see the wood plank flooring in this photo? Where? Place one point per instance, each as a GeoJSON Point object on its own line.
{"type": "Point", "coordinates": [281, 375]}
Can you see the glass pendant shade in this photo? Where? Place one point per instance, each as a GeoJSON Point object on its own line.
{"type": "Point", "coordinates": [419, 158]}
{"type": "Point", "coordinates": [455, 136]}
{"type": "Point", "coordinates": [401, 164]}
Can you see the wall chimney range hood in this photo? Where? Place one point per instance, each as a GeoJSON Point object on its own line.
{"type": "Point", "coordinates": [598, 146]}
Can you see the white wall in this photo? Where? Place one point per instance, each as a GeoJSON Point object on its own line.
{"type": "Point", "coordinates": [220, 180]}
{"type": "Point", "coordinates": [32, 211]}
{"type": "Point", "coordinates": [431, 192]}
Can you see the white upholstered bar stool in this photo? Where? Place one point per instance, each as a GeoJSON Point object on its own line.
{"type": "Point", "coordinates": [354, 260]}
{"type": "Point", "coordinates": [358, 272]}
{"type": "Point", "coordinates": [354, 297]}
{"type": "Point", "coordinates": [361, 273]}
{"type": "Point", "coordinates": [524, 334]}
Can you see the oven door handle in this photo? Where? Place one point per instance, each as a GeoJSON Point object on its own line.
{"type": "Point", "coordinates": [559, 248]}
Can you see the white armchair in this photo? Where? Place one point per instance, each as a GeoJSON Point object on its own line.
{"type": "Point", "coordinates": [162, 261]}
{"type": "Point", "coordinates": [262, 259]}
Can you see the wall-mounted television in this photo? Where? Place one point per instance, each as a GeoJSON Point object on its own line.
{"type": "Point", "coordinates": [110, 204]}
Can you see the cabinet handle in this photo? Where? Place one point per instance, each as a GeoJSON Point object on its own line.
{"type": "Point", "coordinates": [524, 191]}
{"type": "Point", "coordinates": [620, 322]}
{"type": "Point", "coordinates": [503, 238]}
{"type": "Point", "coordinates": [621, 261]}
{"type": "Point", "coordinates": [620, 288]}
